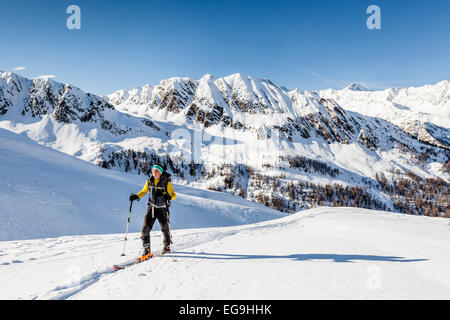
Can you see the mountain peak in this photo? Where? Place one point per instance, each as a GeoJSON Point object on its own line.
{"type": "Point", "coordinates": [237, 77]}
{"type": "Point", "coordinates": [356, 87]}
{"type": "Point", "coordinates": [207, 77]}
{"type": "Point", "coordinates": [443, 83]}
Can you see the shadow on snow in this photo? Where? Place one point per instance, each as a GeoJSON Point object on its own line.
{"type": "Point", "coordinates": [298, 257]}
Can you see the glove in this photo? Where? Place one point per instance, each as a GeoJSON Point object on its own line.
{"type": "Point", "coordinates": [168, 199]}
{"type": "Point", "coordinates": [134, 197]}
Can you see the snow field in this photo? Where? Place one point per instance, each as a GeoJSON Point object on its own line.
{"type": "Point", "coordinates": [325, 253]}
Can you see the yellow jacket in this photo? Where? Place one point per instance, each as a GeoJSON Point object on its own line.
{"type": "Point", "coordinates": [170, 190]}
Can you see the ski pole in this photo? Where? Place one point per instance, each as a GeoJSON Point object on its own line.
{"type": "Point", "coordinates": [173, 257]}
{"type": "Point", "coordinates": [126, 234]}
{"type": "Point", "coordinates": [171, 243]}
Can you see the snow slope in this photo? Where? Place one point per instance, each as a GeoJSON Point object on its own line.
{"type": "Point", "coordinates": [328, 253]}
{"type": "Point", "coordinates": [46, 193]}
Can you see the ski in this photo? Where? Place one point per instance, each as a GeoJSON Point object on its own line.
{"type": "Point", "coordinates": [136, 261]}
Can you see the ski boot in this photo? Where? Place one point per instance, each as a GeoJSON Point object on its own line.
{"type": "Point", "coordinates": [166, 249]}
{"type": "Point", "coordinates": [147, 254]}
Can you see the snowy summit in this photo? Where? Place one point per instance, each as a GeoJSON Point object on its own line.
{"type": "Point", "coordinates": [356, 87]}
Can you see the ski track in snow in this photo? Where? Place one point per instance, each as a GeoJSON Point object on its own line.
{"type": "Point", "coordinates": [71, 289]}
{"type": "Point", "coordinates": [65, 292]}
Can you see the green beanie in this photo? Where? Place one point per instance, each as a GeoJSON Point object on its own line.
{"type": "Point", "coordinates": [158, 167]}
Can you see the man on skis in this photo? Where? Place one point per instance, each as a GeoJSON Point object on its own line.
{"type": "Point", "coordinates": [160, 194]}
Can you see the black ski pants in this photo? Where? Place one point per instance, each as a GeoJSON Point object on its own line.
{"type": "Point", "coordinates": [162, 214]}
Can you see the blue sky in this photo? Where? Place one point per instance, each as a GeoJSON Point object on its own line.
{"type": "Point", "coordinates": [297, 44]}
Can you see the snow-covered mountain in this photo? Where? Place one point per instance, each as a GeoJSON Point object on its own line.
{"type": "Point", "coordinates": [257, 104]}
{"type": "Point", "coordinates": [64, 117]}
{"type": "Point", "coordinates": [423, 112]}
{"type": "Point", "coordinates": [289, 150]}
{"type": "Point", "coordinates": [356, 131]}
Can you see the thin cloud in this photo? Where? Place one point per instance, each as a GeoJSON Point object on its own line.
{"type": "Point", "coordinates": [19, 68]}
{"type": "Point", "coordinates": [329, 81]}
{"type": "Point", "coordinates": [46, 76]}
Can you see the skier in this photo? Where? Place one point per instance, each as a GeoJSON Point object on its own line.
{"type": "Point", "coordinates": [161, 193]}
